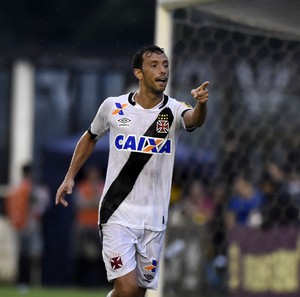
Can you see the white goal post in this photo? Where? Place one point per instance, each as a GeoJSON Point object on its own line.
{"type": "Point", "coordinates": [163, 22]}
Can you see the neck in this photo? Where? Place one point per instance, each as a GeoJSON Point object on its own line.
{"type": "Point", "coordinates": [148, 100]}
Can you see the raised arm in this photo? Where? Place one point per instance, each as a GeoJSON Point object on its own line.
{"type": "Point", "coordinates": [83, 150]}
{"type": "Point", "coordinates": [197, 116]}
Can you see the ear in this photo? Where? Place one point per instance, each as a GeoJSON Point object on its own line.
{"type": "Point", "coordinates": [138, 73]}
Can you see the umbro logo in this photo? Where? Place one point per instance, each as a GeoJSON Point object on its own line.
{"type": "Point", "coordinates": [148, 278]}
{"type": "Point", "coordinates": [124, 122]}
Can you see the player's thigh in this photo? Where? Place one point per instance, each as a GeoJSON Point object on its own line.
{"type": "Point", "coordinates": [118, 250]}
{"type": "Point", "coordinates": [127, 286]}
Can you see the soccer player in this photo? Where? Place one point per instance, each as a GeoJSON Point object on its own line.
{"type": "Point", "coordinates": [144, 127]}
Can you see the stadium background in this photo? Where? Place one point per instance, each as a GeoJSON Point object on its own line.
{"type": "Point", "coordinates": [51, 81]}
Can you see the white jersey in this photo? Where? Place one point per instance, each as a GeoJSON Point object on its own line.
{"type": "Point", "coordinates": [141, 158]}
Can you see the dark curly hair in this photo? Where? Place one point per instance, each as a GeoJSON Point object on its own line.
{"type": "Point", "coordinates": [137, 60]}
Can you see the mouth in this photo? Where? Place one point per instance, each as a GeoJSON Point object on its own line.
{"type": "Point", "coordinates": [162, 79]}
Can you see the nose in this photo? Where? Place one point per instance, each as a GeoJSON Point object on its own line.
{"type": "Point", "coordinates": [162, 69]}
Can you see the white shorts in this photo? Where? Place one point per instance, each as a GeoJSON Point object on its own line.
{"type": "Point", "coordinates": [126, 249]}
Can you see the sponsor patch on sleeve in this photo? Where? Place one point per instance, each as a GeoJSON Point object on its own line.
{"type": "Point", "coordinates": [186, 104]}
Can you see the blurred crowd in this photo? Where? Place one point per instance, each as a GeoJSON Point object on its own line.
{"type": "Point", "coordinates": [270, 200]}
{"type": "Point", "coordinates": [26, 203]}
{"type": "Point", "coordinates": [259, 202]}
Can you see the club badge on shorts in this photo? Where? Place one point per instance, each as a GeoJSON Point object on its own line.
{"type": "Point", "coordinates": [116, 262]}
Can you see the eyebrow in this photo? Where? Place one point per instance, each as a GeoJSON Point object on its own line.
{"type": "Point", "coordinates": [158, 60]}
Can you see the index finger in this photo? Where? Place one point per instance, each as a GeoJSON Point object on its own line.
{"type": "Point", "coordinates": [203, 86]}
{"type": "Point", "coordinates": [59, 195]}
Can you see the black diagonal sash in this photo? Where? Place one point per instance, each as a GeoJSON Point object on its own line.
{"type": "Point", "coordinates": [124, 183]}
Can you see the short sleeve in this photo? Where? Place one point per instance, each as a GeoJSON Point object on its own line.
{"type": "Point", "coordinates": [100, 124]}
{"type": "Point", "coordinates": [182, 108]}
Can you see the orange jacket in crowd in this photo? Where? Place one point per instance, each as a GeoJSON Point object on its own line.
{"type": "Point", "coordinates": [17, 204]}
{"type": "Point", "coordinates": [89, 194]}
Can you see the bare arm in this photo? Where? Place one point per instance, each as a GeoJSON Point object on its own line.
{"type": "Point", "coordinates": [197, 116]}
{"type": "Point", "coordinates": [83, 150]}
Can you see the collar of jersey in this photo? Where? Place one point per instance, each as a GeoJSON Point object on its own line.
{"type": "Point", "coordinates": [133, 103]}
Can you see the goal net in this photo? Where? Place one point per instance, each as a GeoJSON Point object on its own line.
{"type": "Point", "coordinates": [252, 128]}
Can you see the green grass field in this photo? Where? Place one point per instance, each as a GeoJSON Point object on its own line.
{"type": "Point", "coordinates": [6, 291]}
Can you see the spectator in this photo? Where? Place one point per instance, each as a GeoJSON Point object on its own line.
{"type": "Point", "coordinates": [25, 204]}
{"type": "Point", "coordinates": [216, 253]}
{"type": "Point", "coordinates": [176, 189]}
{"type": "Point", "coordinates": [244, 207]}
{"type": "Point", "coordinates": [294, 174]}
{"type": "Point", "coordinates": [279, 208]}
{"type": "Point", "coordinates": [87, 195]}
{"type": "Point", "coordinates": [217, 224]}
{"type": "Point", "coordinates": [197, 205]}
{"type": "Point", "coordinates": [293, 185]}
